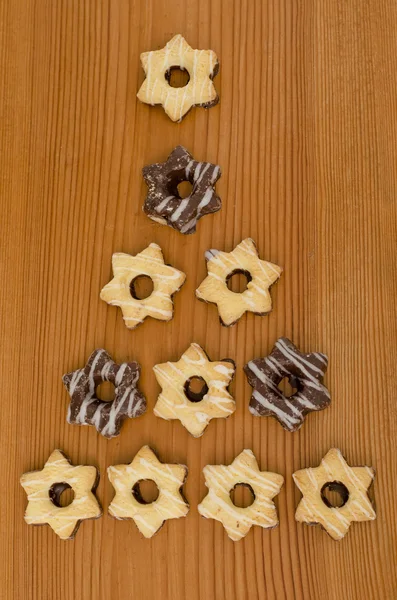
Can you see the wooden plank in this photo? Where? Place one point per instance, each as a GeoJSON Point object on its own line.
{"type": "Point", "coordinates": [305, 134]}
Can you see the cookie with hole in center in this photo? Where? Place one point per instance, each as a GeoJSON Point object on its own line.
{"type": "Point", "coordinates": [44, 489]}
{"type": "Point", "coordinates": [352, 484]}
{"type": "Point", "coordinates": [178, 398]}
{"type": "Point", "coordinates": [221, 480]}
{"type": "Point", "coordinates": [221, 266]}
{"type": "Point", "coordinates": [86, 408]}
{"type": "Point", "coordinates": [163, 202]}
{"type": "Point", "coordinates": [304, 371]}
{"type": "Point", "coordinates": [201, 65]}
{"type": "Point", "coordinates": [128, 502]}
{"type": "Point", "coordinates": [120, 291]}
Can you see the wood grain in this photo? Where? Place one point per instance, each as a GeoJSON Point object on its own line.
{"type": "Point", "coordinates": [306, 134]}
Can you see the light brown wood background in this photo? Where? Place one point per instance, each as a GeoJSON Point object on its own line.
{"type": "Point", "coordinates": [306, 135]}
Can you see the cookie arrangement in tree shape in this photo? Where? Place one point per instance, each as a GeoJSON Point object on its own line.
{"type": "Point", "coordinates": [176, 401]}
{"type": "Point", "coordinates": [303, 371]}
{"type": "Point", "coordinates": [163, 202]}
{"type": "Point", "coordinates": [335, 473]}
{"type": "Point", "coordinates": [201, 65]}
{"type": "Point", "coordinates": [223, 265]}
{"type": "Point", "coordinates": [120, 290]}
{"type": "Point", "coordinates": [195, 413]}
{"type": "Point", "coordinates": [169, 479]}
{"type": "Point", "coordinates": [45, 487]}
{"type": "Point", "coordinates": [221, 479]}
{"type": "Point", "coordinates": [86, 408]}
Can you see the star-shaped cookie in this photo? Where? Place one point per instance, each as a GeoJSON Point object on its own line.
{"type": "Point", "coordinates": [86, 408]}
{"type": "Point", "coordinates": [163, 202]}
{"type": "Point", "coordinates": [303, 371]}
{"type": "Point", "coordinates": [195, 413]}
{"type": "Point", "coordinates": [335, 473]}
{"type": "Point", "coordinates": [221, 479]}
{"type": "Point", "coordinates": [201, 65]}
{"type": "Point", "coordinates": [169, 479]}
{"type": "Point", "coordinates": [223, 265]}
{"type": "Point", "coordinates": [45, 487]}
{"type": "Point", "coordinates": [120, 291]}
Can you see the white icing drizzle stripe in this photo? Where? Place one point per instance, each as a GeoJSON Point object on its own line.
{"type": "Point", "coordinates": [283, 416]}
{"type": "Point", "coordinates": [152, 469]}
{"type": "Point", "coordinates": [299, 361]}
{"type": "Point", "coordinates": [163, 203]}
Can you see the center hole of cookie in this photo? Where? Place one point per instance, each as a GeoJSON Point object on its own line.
{"type": "Point", "coordinates": [105, 391]}
{"type": "Point", "coordinates": [141, 287]}
{"type": "Point", "coordinates": [177, 77]}
{"type": "Point", "coordinates": [238, 280]}
{"type": "Point", "coordinates": [195, 389]}
{"type": "Point", "coordinates": [287, 386]}
{"type": "Point", "coordinates": [334, 494]}
{"type": "Point", "coordinates": [61, 494]}
{"type": "Point", "coordinates": [145, 491]}
{"type": "Point", "coordinates": [242, 495]}
{"type": "Point", "coordinates": [184, 189]}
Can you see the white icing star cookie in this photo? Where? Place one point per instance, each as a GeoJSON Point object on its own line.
{"type": "Point", "coordinates": [169, 479]}
{"type": "Point", "coordinates": [260, 274]}
{"type": "Point", "coordinates": [45, 487]}
{"type": "Point", "coordinates": [336, 473]}
{"type": "Point", "coordinates": [174, 402]}
{"type": "Point", "coordinates": [166, 281]}
{"type": "Point", "coordinates": [201, 65]}
{"type": "Point", "coordinates": [221, 479]}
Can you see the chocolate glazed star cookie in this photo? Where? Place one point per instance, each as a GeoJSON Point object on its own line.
{"type": "Point", "coordinates": [164, 203]}
{"type": "Point", "coordinates": [87, 409]}
{"type": "Point", "coordinates": [303, 371]}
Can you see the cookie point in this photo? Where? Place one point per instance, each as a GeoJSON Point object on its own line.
{"type": "Point", "coordinates": [58, 455]}
{"type": "Point", "coordinates": [177, 36]}
{"type": "Point", "coordinates": [249, 240]}
{"type": "Point", "coordinates": [180, 148]}
{"type": "Point", "coordinates": [154, 245]}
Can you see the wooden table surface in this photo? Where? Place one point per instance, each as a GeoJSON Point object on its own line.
{"type": "Point", "coordinates": [306, 135]}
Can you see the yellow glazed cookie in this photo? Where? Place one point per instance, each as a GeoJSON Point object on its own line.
{"type": "Point", "coordinates": [178, 401]}
{"type": "Point", "coordinates": [120, 291]}
{"type": "Point", "coordinates": [351, 482]}
{"type": "Point", "coordinates": [127, 503]}
{"type": "Point", "coordinates": [45, 487]}
{"type": "Point", "coordinates": [223, 265]}
{"type": "Point", "coordinates": [201, 65]}
{"type": "Point", "coordinates": [221, 479]}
